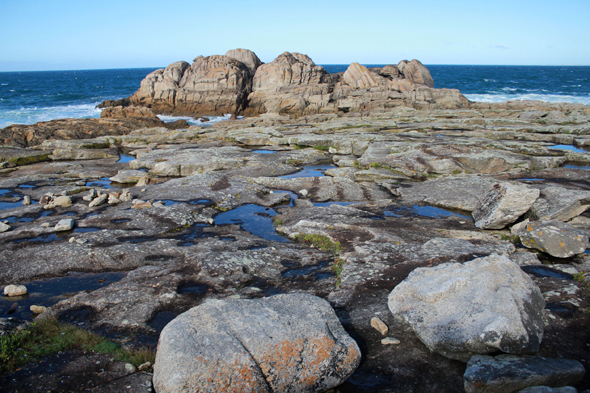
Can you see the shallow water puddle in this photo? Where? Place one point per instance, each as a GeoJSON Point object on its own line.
{"type": "Point", "coordinates": [424, 211]}
{"type": "Point", "coordinates": [263, 151]}
{"type": "Point", "coordinates": [104, 182]}
{"type": "Point", "coordinates": [573, 166]}
{"type": "Point", "coordinates": [544, 271]}
{"type": "Point", "coordinates": [125, 158]}
{"type": "Point", "coordinates": [254, 219]}
{"type": "Point", "coordinates": [568, 147]}
{"type": "Point", "coordinates": [49, 291]}
{"type": "Point", "coordinates": [170, 202]}
{"type": "Point", "coordinates": [310, 171]}
{"type": "Point", "coordinates": [195, 232]}
{"type": "Point", "coordinates": [312, 271]}
{"type": "Point", "coordinates": [328, 204]}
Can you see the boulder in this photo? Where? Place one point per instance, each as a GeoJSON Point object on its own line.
{"type": "Point", "coordinates": [61, 201]}
{"type": "Point", "coordinates": [503, 204]}
{"type": "Point", "coordinates": [291, 83]}
{"type": "Point", "coordinates": [99, 200]}
{"type": "Point", "coordinates": [213, 85]}
{"type": "Point", "coordinates": [509, 373]}
{"type": "Point", "coordinates": [559, 203]}
{"type": "Point", "coordinates": [284, 343]}
{"type": "Point", "coordinates": [15, 290]}
{"type": "Point", "coordinates": [65, 225]}
{"type": "Point", "coordinates": [479, 307]}
{"type": "Point", "coordinates": [359, 77]}
{"type": "Point", "coordinates": [415, 72]}
{"type": "Point", "coordinates": [247, 57]}
{"type": "Point", "coordinates": [553, 237]}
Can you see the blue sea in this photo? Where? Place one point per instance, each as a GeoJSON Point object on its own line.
{"type": "Point", "coordinates": [30, 97]}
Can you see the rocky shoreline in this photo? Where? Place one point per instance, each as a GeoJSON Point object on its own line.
{"type": "Point", "coordinates": [416, 240]}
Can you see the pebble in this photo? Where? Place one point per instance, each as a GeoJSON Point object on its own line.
{"type": "Point", "coordinates": [72, 240]}
{"type": "Point", "coordinates": [379, 325]}
{"type": "Point", "coordinates": [45, 225]}
{"type": "Point", "coordinates": [390, 341]}
{"type": "Point", "coordinates": [303, 192]}
{"type": "Point", "coordinates": [15, 290]}
{"type": "Point", "coordinates": [129, 367]}
{"type": "Point", "coordinates": [144, 366]}
{"type": "Point", "coordinates": [26, 200]}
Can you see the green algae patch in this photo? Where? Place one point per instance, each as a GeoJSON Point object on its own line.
{"type": "Point", "coordinates": [320, 241]}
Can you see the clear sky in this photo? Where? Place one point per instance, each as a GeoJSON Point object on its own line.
{"type": "Point", "coordinates": [84, 34]}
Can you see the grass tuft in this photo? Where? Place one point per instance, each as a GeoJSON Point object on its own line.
{"type": "Point", "coordinates": [320, 241]}
{"type": "Point", "coordinates": [50, 336]}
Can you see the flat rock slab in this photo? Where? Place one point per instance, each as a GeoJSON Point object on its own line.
{"type": "Point", "coordinates": [508, 373]}
{"type": "Point", "coordinates": [128, 176]}
{"type": "Point", "coordinates": [503, 204]}
{"type": "Point", "coordinates": [284, 343]}
{"type": "Point", "coordinates": [478, 307]}
{"type": "Point", "coordinates": [553, 237]}
{"type": "Point", "coordinates": [559, 203]}
{"type": "Point", "coordinates": [19, 156]}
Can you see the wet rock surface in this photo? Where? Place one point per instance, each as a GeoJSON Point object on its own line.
{"type": "Point", "coordinates": [334, 205]}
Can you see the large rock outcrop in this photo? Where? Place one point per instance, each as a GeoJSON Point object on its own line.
{"type": "Point", "coordinates": [239, 83]}
{"type": "Point", "coordinates": [284, 343]}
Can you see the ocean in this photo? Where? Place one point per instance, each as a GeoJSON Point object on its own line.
{"type": "Point", "coordinates": [30, 97]}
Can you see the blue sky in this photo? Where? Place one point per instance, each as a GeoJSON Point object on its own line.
{"type": "Point", "coordinates": [82, 34]}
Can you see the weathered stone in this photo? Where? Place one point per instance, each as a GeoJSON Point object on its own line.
{"type": "Point", "coordinates": [525, 258]}
{"type": "Point", "coordinates": [91, 195]}
{"type": "Point", "coordinates": [128, 176]}
{"type": "Point", "coordinates": [359, 77]}
{"type": "Point", "coordinates": [65, 225]}
{"type": "Point", "coordinates": [390, 341]}
{"type": "Point", "coordinates": [61, 201]}
{"type": "Point", "coordinates": [284, 343]}
{"type": "Point", "coordinates": [4, 227]}
{"type": "Point", "coordinates": [415, 72]}
{"type": "Point", "coordinates": [546, 389]}
{"type": "Point", "coordinates": [143, 181]}
{"type": "Point", "coordinates": [509, 373]}
{"type": "Point", "coordinates": [99, 200]}
{"type": "Point", "coordinates": [127, 111]}
{"type": "Point", "coordinates": [559, 203]}
{"type": "Point", "coordinates": [15, 290]}
{"type": "Point", "coordinates": [478, 307]}
{"type": "Point", "coordinates": [38, 309]}
{"type": "Point", "coordinates": [503, 204]}
{"type": "Point", "coordinates": [553, 237]}
{"type": "Point", "coordinates": [379, 325]}
{"type": "Point", "coordinates": [247, 57]}
{"type": "Point", "coordinates": [26, 200]}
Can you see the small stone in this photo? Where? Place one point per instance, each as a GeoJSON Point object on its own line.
{"type": "Point", "coordinates": [99, 200]}
{"type": "Point", "coordinates": [142, 205]}
{"type": "Point", "coordinates": [45, 199]}
{"type": "Point", "coordinates": [390, 341]}
{"type": "Point", "coordinates": [211, 221]}
{"type": "Point", "coordinates": [81, 241]}
{"type": "Point", "coordinates": [38, 309]}
{"type": "Point", "coordinates": [65, 225]}
{"type": "Point", "coordinates": [525, 258]}
{"type": "Point", "coordinates": [45, 225]}
{"type": "Point", "coordinates": [26, 200]}
{"type": "Point", "coordinates": [62, 201]}
{"type": "Point", "coordinates": [144, 366]}
{"type": "Point", "coordinates": [113, 200]}
{"type": "Point", "coordinates": [91, 195]}
{"type": "Point", "coordinates": [379, 325]}
{"type": "Point", "coordinates": [15, 290]}
{"type": "Point", "coordinates": [129, 367]}
{"type": "Point", "coordinates": [143, 190]}
{"type": "Point", "coordinates": [72, 240]}
{"type": "Point", "coordinates": [4, 227]}
{"type": "Point", "coordinates": [125, 195]}
{"type": "Point", "coordinates": [303, 192]}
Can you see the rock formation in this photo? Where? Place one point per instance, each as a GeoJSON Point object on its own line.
{"type": "Point", "coordinates": [238, 83]}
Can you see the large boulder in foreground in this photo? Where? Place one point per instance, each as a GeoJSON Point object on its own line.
{"type": "Point", "coordinates": [479, 307]}
{"type": "Point", "coordinates": [509, 373]}
{"type": "Point", "coordinates": [284, 343]}
{"type": "Point", "coordinates": [502, 204]}
{"type": "Point", "coordinates": [553, 237]}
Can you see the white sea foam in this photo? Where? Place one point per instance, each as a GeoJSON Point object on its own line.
{"type": "Point", "coordinates": [531, 96]}
{"type": "Point", "coordinates": [195, 121]}
{"type": "Point", "coordinates": [33, 115]}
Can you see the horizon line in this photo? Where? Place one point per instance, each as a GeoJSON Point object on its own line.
{"type": "Point", "coordinates": [324, 64]}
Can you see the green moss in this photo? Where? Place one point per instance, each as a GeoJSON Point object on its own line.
{"type": "Point", "coordinates": [322, 147]}
{"type": "Point", "coordinates": [277, 221]}
{"type": "Point", "coordinates": [356, 164]}
{"type": "Point", "coordinates": [320, 241]}
{"type": "Point", "coordinates": [337, 269]}
{"type": "Point", "coordinates": [294, 162]}
{"type": "Point", "coordinates": [96, 145]}
{"type": "Point", "coordinates": [28, 160]}
{"type": "Point", "coordinates": [49, 336]}
{"type": "Point", "coordinates": [300, 147]}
